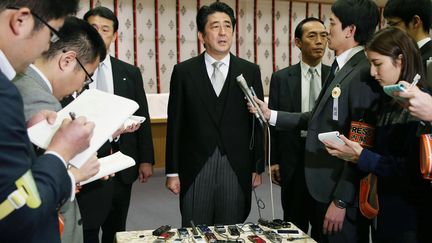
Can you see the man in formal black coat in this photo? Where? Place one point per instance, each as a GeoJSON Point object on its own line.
{"type": "Point", "coordinates": [349, 94]}
{"type": "Point", "coordinates": [105, 204]}
{"type": "Point", "coordinates": [25, 29]}
{"type": "Point", "coordinates": [415, 17]}
{"type": "Point", "coordinates": [214, 146]}
{"type": "Point", "coordinates": [295, 89]}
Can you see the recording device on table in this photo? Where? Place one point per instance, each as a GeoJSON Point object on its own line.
{"type": "Point", "coordinates": [183, 233]}
{"type": "Point", "coordinates": [162, 229]}
{"type": "Point", "coordinates": [389, 89]}
{"type": "Point", "coordinates": [204, 228]}
{"type": "Point", "coordinates": [249, 93]}
{"type": "Point", "coordinates": [220, 229]}
{"type": "Point", "coordinates": [233, 230]}
{"type": "Point", "coordinates": [210, 237]}
{"type": "Point", "coordinates": [256, 239]}
{"type": "Point", "coordinates": [194, 228]}
{"type": "Point", "coordinates": [164, 237]}
{"type": "Point", "coordinates": [331, 136]}
{"type": "Point", "coordinates": [275, 224]}
{"type": "Point", "coordinates": [256, 229]}
{"type": "Point", "coordinates": [273, 236]}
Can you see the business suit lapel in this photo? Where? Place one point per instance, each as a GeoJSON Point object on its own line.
{"type": "Point", "coordinates": [120, 79]}
{"type": "Point", "coordinates": [338, 80]}
{"type": "Point", "coordinates": [294, 84]}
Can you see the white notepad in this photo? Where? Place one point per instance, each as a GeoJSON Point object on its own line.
{"type": "Point", "coordinates": [111, 164]}
{"type": "Point", "coordinates": [107, 111]}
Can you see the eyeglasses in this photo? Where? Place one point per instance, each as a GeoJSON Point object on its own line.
{"type": "Point", "coordinates": [89, 79]}
{"type": "Point", "coordinates": [393, 24]}
{"type": "Point", "coordinates": [55, 35]}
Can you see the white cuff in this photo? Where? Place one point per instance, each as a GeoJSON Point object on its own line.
{"type": "Point", "coordinates": [273, 117]}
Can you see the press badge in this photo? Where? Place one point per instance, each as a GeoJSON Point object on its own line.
{"type": "Point", "coordinates": [335, 95]}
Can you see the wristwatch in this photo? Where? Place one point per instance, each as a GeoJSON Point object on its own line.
{"type": "Point", "coordinates": [339, 203]}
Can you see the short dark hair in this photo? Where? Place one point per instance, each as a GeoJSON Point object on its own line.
{"type": "Point", "coordinates": [363, 14]}
{"type": "Point", "coordinates": [205, 11]}
{"type": "Point", "coordinates": [79, 36]}
{"type": "Point", "coordinates": [406, 9]}
{"type": "Point", "coordinates": [46, 9]}
{"type": "Point", "coordinates": [393, 42]}
{"type": "Point", "coordinates": [298, 33]}
{"type": "Point", "coordinates": [103, 12]}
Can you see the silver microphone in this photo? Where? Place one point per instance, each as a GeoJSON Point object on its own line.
{"type": "Point", "coordinates": [249, 96]}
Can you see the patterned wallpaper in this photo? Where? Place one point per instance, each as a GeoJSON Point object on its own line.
{"type": "Point", "coordinates": [156, 34]}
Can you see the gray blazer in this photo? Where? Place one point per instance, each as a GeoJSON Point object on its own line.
{"type": "Point", "coordinates": [35, 93]}
{"type": "Point", "coordinates": [37, 96]}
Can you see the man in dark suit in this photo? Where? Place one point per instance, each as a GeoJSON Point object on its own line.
{"type": "Point", "coordinates": [415, 17]}
{"type": "Point", "coordinates": [25, 27]}
{"type": "Point", "coordinates": [214, 146]}
{"type": "Point", "coordinates": [349, 94]}
{"type": "Point", "coordinates": [295, 89]}
{"type": "Point", "coordinates": [123, 79]}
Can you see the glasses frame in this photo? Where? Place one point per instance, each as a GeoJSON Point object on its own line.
{"type": "Point", "coordinates": [394, 24]}
{"type": "Point", "coordinates": [89, 79]}
{"type": "Point", "coordinates": [55, 35]}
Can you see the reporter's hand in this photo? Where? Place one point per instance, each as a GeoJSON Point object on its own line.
{"type": "Point", "coordinates": [72, 137]}
{"type": "Point", "coordinates": [50, 116]}
{"type": "Point", "coordinates": [173, 184]}
{"type": "Point", "coordinates": [419, 103]}
{"type": "Point", "coordinates": [145, 172]}
{"type": "Point", "coordinates": [275, 174]}
{"type": "Point", "coordinates": [256, 180]}
{"type": "Point", "coordinates": [132, 128]}
{"type": "Point", "coordinates": [87, 170]}
{"type": "Point", "coordinates": [262, 105]}
{"type": "Point", "coordinates": [350, 151]}
{"type": "Point", "coordinates": [334, 219]}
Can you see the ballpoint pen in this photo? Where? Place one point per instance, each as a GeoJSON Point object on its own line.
{"type": "Point", "coordinates": [72, 115]}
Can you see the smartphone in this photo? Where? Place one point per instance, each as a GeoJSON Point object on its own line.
{"type": "Point", "coordinates": [256, 229]}
{"type": "Point", "coordinates": [210, 237]}
{"type": "Point", "coordinates": [183, 232]}
{"type": "Point", "coordinates": [256, 239]}
{"type": "Point", "coordinates": [204, 229]}
{"type": "Point", "coordinates": [219, 228]}
{"type": "Point", "coordinates": [198, 239]}
{"type": "Point", "coordinates": [389, 89]}
{"type": "Point", "coordinates": [232, 229]}
{"type": "Point", "coordinates": [331, 136]}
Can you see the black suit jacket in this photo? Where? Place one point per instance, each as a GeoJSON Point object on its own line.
{"type": "Point", "coordinates": [17, 157]}
{"type": "Point", "coordinates": [287, 147]}
{"type": "Point", "coordinates": [194, 131]}
{"type": "Point", "coordinates": [138, 145]}
{"type": "Point", "coordinates": [426, 53]}
{"type": "Point", "coordinates": [328, 177]}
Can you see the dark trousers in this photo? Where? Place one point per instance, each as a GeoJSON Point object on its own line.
{"type": "Point", "coordinates": [215, 197]}
{"type": "Point", "coordinates": [116, 218]}
{"type": "Point", "coordinates": [296, 200]}
{"type": "Point", "coordinates": [355, 227]}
